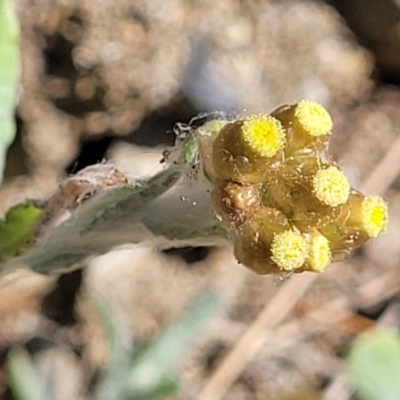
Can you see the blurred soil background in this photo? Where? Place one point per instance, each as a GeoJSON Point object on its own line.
{"type": "Point", "coordinates": [101, 78]}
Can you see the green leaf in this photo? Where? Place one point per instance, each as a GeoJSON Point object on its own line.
{"type": "Point", "coordinates": [374, 365]}
{"type": "Point", "coordinates": [17, 229]}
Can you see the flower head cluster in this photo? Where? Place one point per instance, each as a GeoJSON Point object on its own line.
{"type": "Point", "coordinates": [288, 206]}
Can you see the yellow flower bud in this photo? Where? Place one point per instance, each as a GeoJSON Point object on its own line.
{"type": "Point", "coordinates": [330, 186]}
{"type": "Point", "coordinates": [319, 254]}
{"type": "Point", "coordinates": [263, 135]}
{"type": "Point", "coordinates": [359, 219]}
{"type": "Point", "coordinates": [367, 214]}
{"type": "Point", "coordinates": [373, 216]}
{"type": "Point", "coordinates": [234, 202]}
{"type": "Point", "coordinates": [244, 151]}
{"type": "Point", "coordinates": [308, 125]}
{"type": "Point", "coordinates": [312, 119]}
{"type": "Point", "coordinates": [289, 250]}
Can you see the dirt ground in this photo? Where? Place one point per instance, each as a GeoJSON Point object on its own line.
{"type": "Point", "coordinates": [102, 77]}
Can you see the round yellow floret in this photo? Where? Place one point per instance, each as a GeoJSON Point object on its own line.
{"type": "Point", "coordinates": [374, 215]}
{"type": "Point", "coordinates": [289, 250]}
{"type": "Point", "coordinates": [319, 255]}
{"type": "Point", "coordinates": [263, 134]}
{"type": "Point", "coordinates": [312, 118]}
{"type": "Point", "coordinates": [331, 187]}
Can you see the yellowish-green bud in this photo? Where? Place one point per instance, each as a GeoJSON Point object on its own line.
{"type": "Point", "coordinates": [234, 202]}
{"type": "Point", "coordinates": [245, 150]}
{"type": "Point", "coordinates": [312, 119]}
{"type": "Point", "coordinates": [263, 135]}
{"type": "Point", "coordinates": [289, 250]}
{"type": "Point", "coordinates": [368, 214]}
{"type": "Point", "coordinates": [330, 186]}
{"type": "Point", "coordinates": [319, 254]}
{"type": "Point", "coordinates": [374, 214]}
{"type": "Point", "coordinates": [308, 125]}
{"type": "Point", "coordinates": [359, 219]}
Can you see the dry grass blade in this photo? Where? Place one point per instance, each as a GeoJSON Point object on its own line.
{"type": "Point", "coordinates": [256, 335]}
{"type": "Point", "coordinates": [282, 304]}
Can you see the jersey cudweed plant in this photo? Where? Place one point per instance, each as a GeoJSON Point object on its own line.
{"type": "Point", "coordinates": [266, 183]}
{"type": "Point", "coordinates": [288, 207]}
